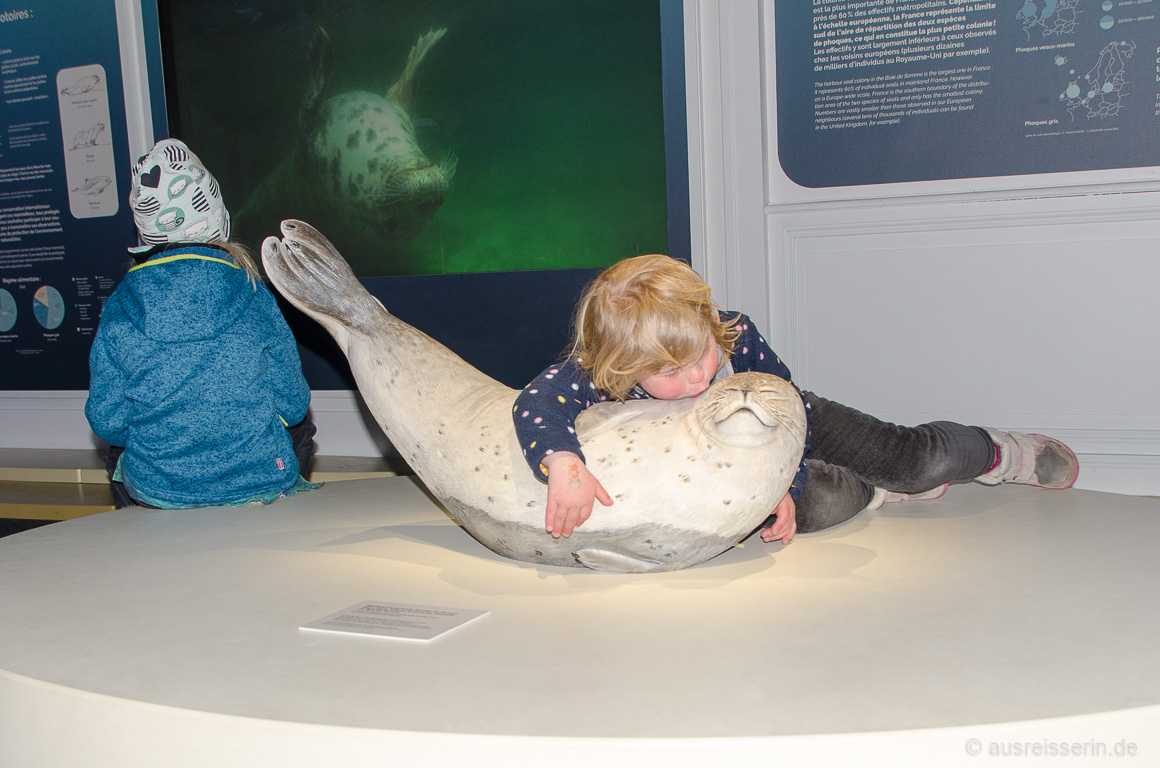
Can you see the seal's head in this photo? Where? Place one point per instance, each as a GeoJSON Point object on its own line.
{"type": "Point", "coordinates": [369, 161]}
{"type": "Point", "coordinates": [747, 410]}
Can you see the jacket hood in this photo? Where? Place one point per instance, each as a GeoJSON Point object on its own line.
{"type": "Point", "coordinates": [186, 294]}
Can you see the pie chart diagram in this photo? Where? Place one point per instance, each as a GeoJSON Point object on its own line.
{"type": "Point", "coordinates": [7, 311]}
{"type": "Point", "coordinates": [48, 306]}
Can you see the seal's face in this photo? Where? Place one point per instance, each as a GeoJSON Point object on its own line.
{"type": "Point", "coordinates": [367, 159]}
{"type": "Point", "coordinates": [749, 409]}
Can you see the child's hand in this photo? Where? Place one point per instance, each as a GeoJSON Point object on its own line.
{"type": "Point", "coordinates": [572, 490]}
{"type": "Point", "coordinates": [785, 526]}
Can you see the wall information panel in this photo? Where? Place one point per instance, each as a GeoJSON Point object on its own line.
{"type": "Point", "coordinates": [882, 91]}
{"type": "Point", "coordinates": [64, 161]}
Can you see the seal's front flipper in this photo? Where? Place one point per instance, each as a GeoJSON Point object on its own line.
{"type": "Point", "coordinates": [609, 560]}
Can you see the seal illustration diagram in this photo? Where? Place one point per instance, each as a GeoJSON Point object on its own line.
{"type": "Point", "coordinates": [690, 478]}
{"type": "Point", "coordinates": [88, 138]}
{"type": "Point", "coordinates": [94, 186]}
{"type": "Point", "coordinates": [81, 86]}
{"type": "Point", "coordinates": [357, 169]}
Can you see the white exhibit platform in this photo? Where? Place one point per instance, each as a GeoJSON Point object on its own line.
{"type": "Point", "coordinates": [1003, 621]}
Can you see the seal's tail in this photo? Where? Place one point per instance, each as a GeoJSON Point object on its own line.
{"type": "Point", "coordinates": [310, 272]}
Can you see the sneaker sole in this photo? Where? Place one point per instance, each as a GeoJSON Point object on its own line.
{"type": "Point", "coordinates": [1075, 460]}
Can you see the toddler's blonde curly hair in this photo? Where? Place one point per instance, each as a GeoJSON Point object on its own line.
{"type": "Point", "coordinates": [641, 316]}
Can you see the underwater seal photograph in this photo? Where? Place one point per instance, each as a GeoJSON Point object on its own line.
{"type": "Point", "coordinates": [431, 137]}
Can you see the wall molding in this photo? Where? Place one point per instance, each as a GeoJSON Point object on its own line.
{"type": "Point", "coordinates": [940, 215]}
{"type": "Point", "coordinates": [56, 420]}
{"type": "Point", "coordinates": [45, 420]}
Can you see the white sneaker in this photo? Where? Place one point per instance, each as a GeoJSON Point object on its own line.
{"type": "Point", "coordinates": [1031, 460]}
{"type": "Point", "coordinates": [882, 496]}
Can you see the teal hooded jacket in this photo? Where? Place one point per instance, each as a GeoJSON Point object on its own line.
{"type": "Point", "coordinates": [195, 372]}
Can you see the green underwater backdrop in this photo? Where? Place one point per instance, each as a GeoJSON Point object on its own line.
{"type": "Point", "coordinates": [548, 112]}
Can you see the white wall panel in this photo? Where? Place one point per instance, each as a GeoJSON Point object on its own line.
{"type": "Point", "coordinates": [1036, 315]}
{"type": "Point", "coordinates": [1060, 303]}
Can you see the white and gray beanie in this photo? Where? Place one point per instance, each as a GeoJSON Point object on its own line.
{"type": "Point", "coordinates": [175, 199]}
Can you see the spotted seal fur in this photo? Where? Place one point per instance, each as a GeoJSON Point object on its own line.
{"type": "Point", "coordinates": [356, 169]}
{"type": "Point", "coordinates": [690, 478]}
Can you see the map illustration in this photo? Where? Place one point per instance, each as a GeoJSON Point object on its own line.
{"type": "Point", "coordinates": [1100, 93]}
{"type": "Point", "coordinates": [1050, 17]}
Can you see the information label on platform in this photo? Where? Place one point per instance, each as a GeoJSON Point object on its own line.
{"type": "Point", "coordinates": [399, 621]}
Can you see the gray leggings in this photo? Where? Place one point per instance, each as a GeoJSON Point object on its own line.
{"type": "Point", "coordinates": [852, 452]}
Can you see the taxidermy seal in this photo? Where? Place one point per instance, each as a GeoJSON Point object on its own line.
{"type": "Point", "coordinates": [356, 168]}
{"type": "Point", "coordinates": [690, 478]}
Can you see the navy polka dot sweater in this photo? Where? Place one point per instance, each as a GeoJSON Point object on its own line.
{"type": "Point", "coordinates": [545, 412]}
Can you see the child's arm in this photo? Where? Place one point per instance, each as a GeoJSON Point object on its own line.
{"type": "Point", "coordinates": [106, 408]}
{"type": "Point", "coordinates": [545, 417]}
{"type": "Point", "coordinates": [754, 354]}
{"type": "Point", "coordinates": [785, 523]}
{"type": "Point", "coordinates": [545, 414]}
{"type": "Point", "coordinates": [572, 491]}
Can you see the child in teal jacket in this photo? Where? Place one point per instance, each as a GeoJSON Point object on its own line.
{"type": "Point", "coordinates": [194, 374]}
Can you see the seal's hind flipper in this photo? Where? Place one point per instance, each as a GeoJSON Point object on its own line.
{"type": "Point", "coordinates": [402, 92]}
{"type": "Point", "coordinates": [610, 560]}
{"type": "Point", "coordinates": [313, 276]}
